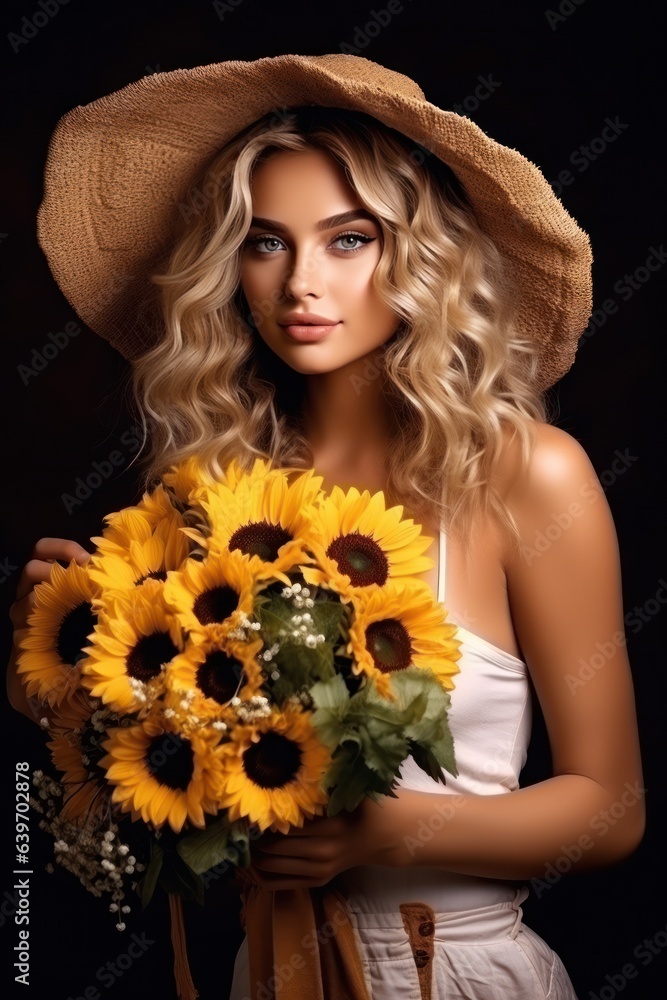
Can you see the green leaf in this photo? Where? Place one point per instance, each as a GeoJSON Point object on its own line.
{"type": "Point", "coordinates": [303, 665]}
{"type": "Point", "coordinates": [443, 750]}
{"type": "Point", "coordinates": [426, 759]}
{"type": "Point", "coordinates": [335, 719]}
{"type": "Point", "coordinates": [353, 780]}
{"type": "Point", "coordinates": [273, 612]}
{"type": "Point", "coordinates": [204, 849]}
{"type": "Point", "coordinates": [300, 665]}
{"type": "Point", "coordinates": [177, 877]}
{"type": "Point", "coordinates": [331, 619]}
{"type": "Point", "coordinates": [430, 727]}
{"type": "Point", "coordinates": [351, 787]}
{"type": "Point", "coordinates": [383, 752]}
{"type": "Point", "coordinates": [370, 736]}
{"type": "Point", "coordinates": [331, 694]}
{"type": "Point", "coordinates": [146, 886]}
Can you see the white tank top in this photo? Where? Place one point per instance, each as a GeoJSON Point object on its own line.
{"type": "Point", "coordinates": [490, 720]}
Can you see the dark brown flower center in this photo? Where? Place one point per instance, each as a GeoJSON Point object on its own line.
{"type": "Point", "coordinates": [388, 642]}
{"type": "Point", "coordinates": [145, 659]}
{"type": "Point", "coordinates": [273, 761]}
{"type": "Point", "coordinates": [170, 759]}
{"type": "Point", "coordinates": [73, 632]}
{"type": "Point", "coordinates": [213, 606]}
{"type": "Point", "coordinates": [219, 675]}
{"type": "Point", "coordinates": [361, 558]}
{"type": "Point", "coordinates": [261, 539]}
{"type": "Point", "coordinates": [156, 574]}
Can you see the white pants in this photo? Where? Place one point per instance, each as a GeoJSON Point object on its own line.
{"type": "Point", "coordinates": [415, 953]}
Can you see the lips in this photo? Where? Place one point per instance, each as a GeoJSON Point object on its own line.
{"type": "Point", "coordinates": [308, 332]}
{"type": "Point", "coordinates": [307, 327]}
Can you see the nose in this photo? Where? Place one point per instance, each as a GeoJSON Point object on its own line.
{"type": "Point", "coordinates": [305, 276]}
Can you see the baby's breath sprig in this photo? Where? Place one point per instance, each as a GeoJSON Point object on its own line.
{"type": "Point", "coordinates": [252, 709]}
{"type": "Point", "coordinates": [244, 628]}
{"type": "Point", "coordinates": [148, 692]}
{"type": "Point", "coordinates": [302, 632]}
{"type": "Point", "coordinates": [302, 699]}
{"type": "Point", "coordinates": [91, 850]}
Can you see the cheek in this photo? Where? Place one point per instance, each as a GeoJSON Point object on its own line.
{"type": "Point", "coordinates": [260, 274]}
{"type": "Point", "coordinates": [365, 302]}
{"type": "Point", "coordinates": [354, 284]}
{"type": "Point", "coordinates": [260, 291]}
{"type": "Point", "coordinates": [250, 281]}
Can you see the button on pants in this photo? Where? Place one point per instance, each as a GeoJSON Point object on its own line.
{"type": "Point", "coordinates": [486, 953]}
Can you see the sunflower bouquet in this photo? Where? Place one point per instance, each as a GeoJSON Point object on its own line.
{"type": "Point", "coordinates": [238, 654]}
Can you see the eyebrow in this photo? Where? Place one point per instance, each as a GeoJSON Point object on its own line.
{"type": "Point", "coordinates": [334, 220]}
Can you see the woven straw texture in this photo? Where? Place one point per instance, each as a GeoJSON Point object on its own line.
{"type": "Point", "coordinates": [118, 169]}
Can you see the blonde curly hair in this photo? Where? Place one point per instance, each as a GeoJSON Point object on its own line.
{"type": "Point", "coordinates": [458, 375]}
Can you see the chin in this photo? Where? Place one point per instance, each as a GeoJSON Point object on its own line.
{"type": "Point", "coordinates": [315, 366]}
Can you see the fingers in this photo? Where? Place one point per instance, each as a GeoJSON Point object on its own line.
{"type": "Point", "coordinates": [318, 826]}
{"type": "Point", "coordinates": [59, 548]}
{"type": "Point", "coordinates": [317, 849]}
{"type": "Point", "coordinates": [286, 862]}
{"type": "Point", "coordinates": [318, 843]}
{"type": "Point", "coordinates": [44, 553]}
{"type": "Point", "coordinates": [286, 873]}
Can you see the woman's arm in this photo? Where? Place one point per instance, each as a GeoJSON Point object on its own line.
{"type": "Point", "coordinates": [565, 596]}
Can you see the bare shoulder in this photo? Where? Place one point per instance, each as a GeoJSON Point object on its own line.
{"type": "Point", "coordinates": [558, 469]}
{"type": "Point", "coordinates": [557, 502]}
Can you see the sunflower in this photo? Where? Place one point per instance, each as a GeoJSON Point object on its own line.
{"type": "Point", "coordinates": [273, 771]}
{"type": "Point", "coordinates": [264, 517]}
{"type": "Point", "coordinates": [188, 479]}
{"type": "Point", "coordinates": [61, 620]}
{"type": "Point", "coordinates": [398, 626]}
{"type": "Point", "coordinates": [213, 673]}
{"type": "Point", "coordinates": [76, 730]}
{"type": "Point", "coordinates": [130, 648]}
{"type": "Point", "coordinates": [235, 474]}
{"type": "Point", "coordinates": [154, 511]}
{"type": "Point", "coordinates": [212, 595]}
{"type": "Point", "coordinates": [361, 544]}
{"type": "Point", "coordinates": [161, 775]}
{"type": "Point", "coordinates": [140, 542]}
{"type": "Point", "coordinates": [146, 557]}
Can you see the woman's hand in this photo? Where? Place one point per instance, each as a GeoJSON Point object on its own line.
{"type": "Point", "coordinates": [310, 856]}
{"type": "Point", "coordinates": [45, 552]}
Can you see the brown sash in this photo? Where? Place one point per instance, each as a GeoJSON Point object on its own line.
{"type": "Point", "coordinates": [301, 943]}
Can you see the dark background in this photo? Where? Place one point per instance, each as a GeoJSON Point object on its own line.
{"type": "Point", "coordinates": [558, 77]}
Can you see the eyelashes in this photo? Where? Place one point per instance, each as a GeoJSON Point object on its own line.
{"type": "Point", "coordinates": [357, 236]}
{"type": "Point", "coordinates": [254, 242]}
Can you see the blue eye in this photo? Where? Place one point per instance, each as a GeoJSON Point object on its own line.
{"type": "Point", "coordinates": [355, 236]}
{"type": "Point", "coordinates": [254, 242]}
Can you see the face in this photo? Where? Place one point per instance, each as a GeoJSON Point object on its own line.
{"type": "Point", "coordinates": [298, 259]}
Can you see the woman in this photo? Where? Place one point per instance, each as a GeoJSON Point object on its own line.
{"type": "Point", "coordinates": [338, 297]}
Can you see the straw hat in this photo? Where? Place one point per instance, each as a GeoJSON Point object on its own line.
{"type": "Point", "coordinates": [118, 169]}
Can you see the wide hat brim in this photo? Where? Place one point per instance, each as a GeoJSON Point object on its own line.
{"type": "Point", "coordinates": [118, 169]}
